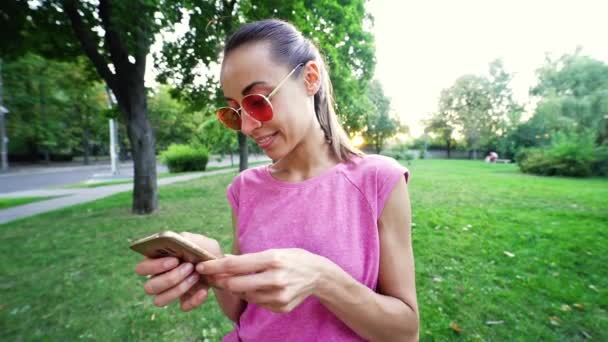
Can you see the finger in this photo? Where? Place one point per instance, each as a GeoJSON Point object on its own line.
{"type": "Point", "coordinates": [194, 297]}
{"type": "Point", "coordinates": [165, 281]}
{"type": "Point", "coordinates": [239, 264]}
{"type": "Point", "coordinates": [197, 238]}
{"type": "Point", "coordinates": [207, 243]}
{"type": "Point", "coordinates": [176, 291]}
{"type": "Point", "coordinates": [258, 281]}
{"type": "Point", "coordinates": [156, 266]}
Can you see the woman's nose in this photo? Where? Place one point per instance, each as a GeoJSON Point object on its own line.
{"type": "Point", "coordinates": [248, 124]}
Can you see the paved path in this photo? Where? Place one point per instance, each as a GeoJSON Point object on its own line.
{"type": "Point", "coordinates": [40, 176]}
{"type": "Point", "coordinates": [79, 195]}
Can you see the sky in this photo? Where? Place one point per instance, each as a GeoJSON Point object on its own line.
{"type": "Point", "coordinates": [422, 47]}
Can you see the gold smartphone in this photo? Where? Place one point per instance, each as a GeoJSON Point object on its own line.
{"type": "Point", "coordinates": [168, 243]}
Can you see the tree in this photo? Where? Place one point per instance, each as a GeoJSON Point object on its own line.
{"type": "Point", "coordinates": [116, 37]}
{"type": "Point", "coordinates": [85, 102]}
{"type": "Point", "coordinates": [213, 135]}
{"type": "Point", "coordinates": [443, 125]}
{"type": "Point", "coordinates": [480, 107]}
{"type": "Point", "coordinates": [379, 125]}
{"type": "Point", "coordinates": [172, 120]}
{"type": "Point", "coordinates": [54, 107]}
{"type": "Point", "coordinates": [468, 100]}
{"type": "Point", "coordinates": [575, 87]}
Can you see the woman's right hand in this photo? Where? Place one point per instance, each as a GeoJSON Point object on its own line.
{"type": "Point", "coordinates": [170, 280]}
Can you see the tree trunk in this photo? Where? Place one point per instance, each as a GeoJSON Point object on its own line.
{"type": "Point", "coordinates": [449, 148]}
{"type": "Point", "coordinates": [243, 151]}
{"type": "Point", "coordinates": [47, 155]}
{"type": "Point", "coordinates": [141, 136]}
{"type": "Point", "coordinates": [86, 147]}
{"type": "Point", "coordinates": [127, 83]}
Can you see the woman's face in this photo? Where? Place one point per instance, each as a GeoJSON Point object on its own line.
{"type": "Point", "coordinates": [249, 69]}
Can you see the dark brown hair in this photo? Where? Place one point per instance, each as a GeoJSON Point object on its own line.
{"type": "Point", "coordinates": [289, 47]}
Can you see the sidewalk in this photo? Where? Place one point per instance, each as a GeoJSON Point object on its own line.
{"type": "Point", "coordinates": [37, 177]}
{"type": "Point", "coordinates": [54, 167]}
{"type": "Point", "coordinates": [74, 196]}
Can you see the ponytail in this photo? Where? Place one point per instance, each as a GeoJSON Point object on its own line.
{"type": "Point", "coordinates": [328, 119]}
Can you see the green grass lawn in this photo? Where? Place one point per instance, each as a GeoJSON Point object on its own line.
{"type": "Point", "coordinates": [6, 203]}
{"type": "Point", "coordinates": [532, 258]}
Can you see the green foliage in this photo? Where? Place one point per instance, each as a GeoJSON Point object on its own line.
{"type": "Point", "coordinates": [172, 120]}
{"type": "Point", "coordinates": [380, 125]}
{"type": "Point", "coordinates": [575, 88]}
{"type": "Point", "coordinates": [600, 166]}
{"type": "Point", "coordinates": [215, 137]}
{"type": "Point", "coordinates": [573, 91]}
{"type": "Point", "coordinates": [182, 158]}
{"type": "Point", "coordinates": [568, 155]}
{"type": "Point", "coordinates": [400, 152]}
{"type": "Point", "coordinates": [54, 108]}
{"type": "Point", "coordinates": [480, 107]}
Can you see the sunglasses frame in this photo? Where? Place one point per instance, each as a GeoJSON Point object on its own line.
{"type": "Point", "coordinates": [266, 98]}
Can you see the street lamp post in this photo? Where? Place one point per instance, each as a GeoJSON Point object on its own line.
{"type": "Point", "coordinates": [114, 149]}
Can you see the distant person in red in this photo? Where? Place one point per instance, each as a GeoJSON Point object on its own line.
{"type": "Point", "coordinates": [491, 157]}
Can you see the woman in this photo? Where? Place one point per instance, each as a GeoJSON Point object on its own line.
{"type": "Point", "coordinates": [322, 246]}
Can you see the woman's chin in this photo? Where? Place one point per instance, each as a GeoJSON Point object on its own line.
{"type": "Point", "coordinates": [274, 153]}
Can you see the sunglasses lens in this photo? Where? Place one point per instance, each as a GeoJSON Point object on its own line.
{"type": "Point", "coordinates": [230, 118]}
{"type": "Point", "coordinates": [258, 107]}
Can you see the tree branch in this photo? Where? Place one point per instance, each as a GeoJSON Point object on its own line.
{"type": "Point", "coordinates": [118, 52]}
{"type": "Point", "coordinates": [89, 44]}
{"type": "Point", "coordinates": [142, 48]}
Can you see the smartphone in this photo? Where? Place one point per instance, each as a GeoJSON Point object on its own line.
{"type": "Point", "coordinates": [168, 243]}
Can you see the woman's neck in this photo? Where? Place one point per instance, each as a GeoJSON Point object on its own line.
{"type": "Point", "coordinates": [309, 158]}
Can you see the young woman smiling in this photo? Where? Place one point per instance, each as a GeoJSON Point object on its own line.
{"type": "Point", "coordinates": [322, 245]}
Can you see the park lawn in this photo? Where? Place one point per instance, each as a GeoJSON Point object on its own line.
{"type": "Point", "coordinates": [6, 203]}
{"type": "Point", "coordinates": [532, 259]}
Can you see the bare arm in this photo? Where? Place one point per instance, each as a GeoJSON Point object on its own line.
{"type": "Point", "coordinates": [231, 304]}
{"type": "Point", "coordinates": [392, 313]}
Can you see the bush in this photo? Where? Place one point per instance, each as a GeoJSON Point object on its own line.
{"type": "Point", "coordinates": [567, 155]}
{"type": "Point", "coordinates": [181, 158]}
{"type": "Point", "coordinates": [400, 152]}
{"type": "Point", "coordinates": [600, 167]}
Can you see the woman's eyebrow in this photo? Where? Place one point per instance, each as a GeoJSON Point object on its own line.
{"type": "Point", "coordinates": [248, 88]}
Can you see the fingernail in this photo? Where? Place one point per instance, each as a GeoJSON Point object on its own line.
{"type": "Point", "coordinates": [170, 263]}
{"type": "Point", "coordinates": [186, 268]}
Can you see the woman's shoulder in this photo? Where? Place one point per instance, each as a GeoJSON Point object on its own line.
{"type": "Point", "coordinates": [254, 174]}
{"type": "Point", "coordinates": [375, 165]}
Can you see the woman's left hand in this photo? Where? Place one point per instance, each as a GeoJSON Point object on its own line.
{"type": "Point", "coordinates": [276, 279]}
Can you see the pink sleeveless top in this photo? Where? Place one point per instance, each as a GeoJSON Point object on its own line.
{"type": "Point", "coordinates": [334, 214]}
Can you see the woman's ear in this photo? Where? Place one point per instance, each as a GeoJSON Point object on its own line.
{"type": "Point", "coordinates": [312, 77]}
